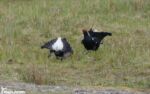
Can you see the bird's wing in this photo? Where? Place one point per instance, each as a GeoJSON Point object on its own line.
{"type": "Point", "coordinates": [100, 35]}
{"type": "Point", "coordinates": [67, 47]}
{"type": "Point", "coordinates": [49, 44]}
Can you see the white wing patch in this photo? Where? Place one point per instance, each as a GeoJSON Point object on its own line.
{"type": "Point", "coordinates": [58, 45]}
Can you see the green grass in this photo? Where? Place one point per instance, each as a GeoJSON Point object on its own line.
{"type": "Point", "coordinates": [122, 61]}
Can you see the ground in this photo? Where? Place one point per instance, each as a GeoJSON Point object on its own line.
{"type": "Point", "coordinates": [122, 61]}
{"type": "Point", "coordinates": [50, 89]}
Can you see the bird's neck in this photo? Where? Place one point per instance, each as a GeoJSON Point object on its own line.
{"type": "Point", "coordinates": [86, 34]}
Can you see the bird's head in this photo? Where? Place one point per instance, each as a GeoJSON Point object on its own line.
{"type": "Point", "coordinates": [84, 30]}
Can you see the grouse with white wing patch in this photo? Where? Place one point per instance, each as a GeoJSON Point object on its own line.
{"type": "Point", "coordinates": [92, 39]}
{"type": "Point", "coordinates": [60, 47]}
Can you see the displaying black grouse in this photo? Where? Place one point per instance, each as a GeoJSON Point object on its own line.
{"type": "Point", "coordinates": [92, 39]}
{"type": "Point", "coordinates": [60, 47]}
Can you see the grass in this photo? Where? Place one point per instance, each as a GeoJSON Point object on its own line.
{"type": "Point", "coordinates": [122, 61]}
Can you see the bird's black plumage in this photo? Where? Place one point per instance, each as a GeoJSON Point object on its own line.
{"type": "Point", "coordinates": [48, 45]}
{"type": "Point", "coordinates": [61, 53]}
{"type": "Point", "coordinates": [92, 39]}
{"type": "Point", "coordinates": [66, 51]}
{"type": "Point", "coordinates": [67, 47]}
{"type": "Point", "coordinates": [99, 35]}
{"type": "Point", "coordinates": [88, 41]}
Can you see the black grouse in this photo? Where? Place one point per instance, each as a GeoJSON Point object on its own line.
{"type": "Point", "coordinates": [92, 39]}
{"type": "Point", "coordinates": [59, 46]}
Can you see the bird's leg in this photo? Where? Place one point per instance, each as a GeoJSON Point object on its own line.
{"type": "Point", "coordinates": [50, 52]}
{"type": "Point", "coordinates": [57, 57]}
{"type": "Point", "coordinates": [49, 55]}
{"type": "Point", "coordinates": [61, 58]}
